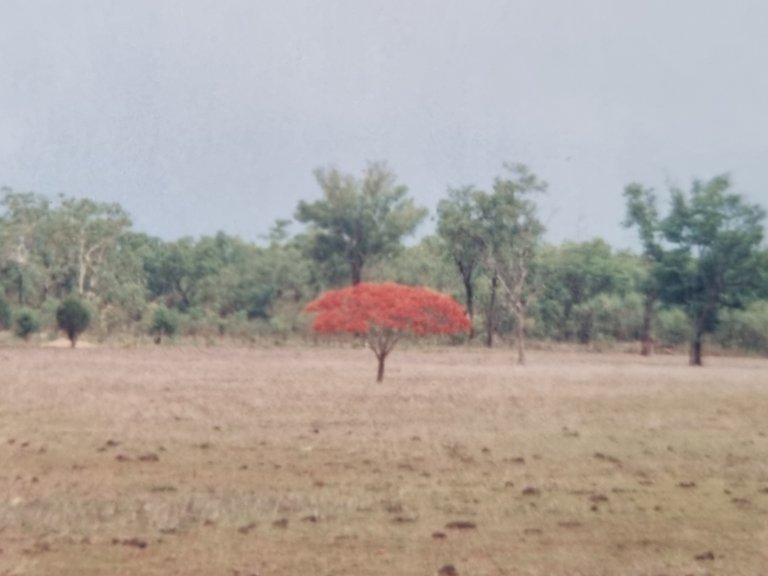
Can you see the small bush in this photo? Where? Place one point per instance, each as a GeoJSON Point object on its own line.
{"type": "Point", "coordinates": [164, 323]}
{"type": "Point", "coordinates": [26, 323]}
{"type": "Point", "coordinates": [73, 317]}
{"type": "Point", "coordinates": [745, 329]}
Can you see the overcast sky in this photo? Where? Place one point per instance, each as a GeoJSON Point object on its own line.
{"type": "Point", "coordinates": [199, 116]}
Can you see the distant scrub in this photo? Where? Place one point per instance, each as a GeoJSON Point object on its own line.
{"type": "Point", "coordinates": [26, 323]}
{"type": "Point", "coordinates": [745, 329]}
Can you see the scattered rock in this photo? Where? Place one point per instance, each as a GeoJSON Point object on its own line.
{"type": "Point", "coordinates": [247, 528]}
{"type": "Point", "coordinates": [448, 570]}
{"type": "Point", "coordinates": [122, 458]}
{"type": "Point", "coordinates": [597, 498]}
{"type": "Point", "coordinates": [741, 502]}
{"type": "Point", "coordinates": [393, 507]}
{"type": "Point", "coordinates": [461, 525]}
{"type": "Point", "coordinates": [281, 523]}
{"type": "Point", "coordinates": [311, 518]}
{"type": "Point", "coordinates": [509, 484]}
{"type": "Point", "coordinates": [569, 524]}
{"type": "Point", "coordinates": [708, 555]}
{"type": "Point", "coordinates": [162, 489]}
{"type": "Point", "coordinates": [687, 484]}
{"type": "Point", "coordinates": [570, 433]}
{"type": "Point", "coordinates": [132, 542]}
{"type": "Point", "coordinates": [531, 491]}
{"type": "Point", "coordinates": [607, 458]}
{"type": "Point", "coordinates": [404, 519]}
{"type": "Point", "coordinates": [149, 457]}
{"type": "Point", "coordinates": [439, 536]}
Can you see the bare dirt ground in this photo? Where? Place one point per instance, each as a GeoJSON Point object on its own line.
{"type": "Point", "coordinates": [240, 462]}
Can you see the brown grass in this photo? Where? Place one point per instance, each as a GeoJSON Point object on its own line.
{"type": "Point", "coordinates": [242, 462]}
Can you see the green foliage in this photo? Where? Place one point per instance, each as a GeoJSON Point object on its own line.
{"type": "Point", "coordinates": [73, 317]}
{"type": "Point", "coordinates": [26, 323]}
{"type": "Point", "coordinates": [714, 237]}
{"type": "Point", "coordinates": [608, 317]}
{"type": "Point", "coordinates": [5, 313]}
{"type": "Point", "coordinates": [459, 222]}
{"type": "Point", "coordinates": [673, 327]}
{"type": "Point", "coordinates": [703, 257]}
{"type": "Point", "coordinates": [745, 329]}
{"type": "Point", "coordinates": [164, 323]}
{"type": "Point", "coordinates": [358, 220]}
{"type": "Point", "coordinates": [573, 282]}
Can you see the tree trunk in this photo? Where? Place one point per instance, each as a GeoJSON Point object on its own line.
{"type": "Point", "coordinates": [21, 288]}
{"type": "Point", "coordinates": [357, 272]}
{"type": "Point", "coordinates": [380, 373]}
{"type": "Point", "coordinates": [490, 317]}
{"type": "Point", "coordinates": [469, 289]}
{"type": "Point", "coordinates": [648, 314]}
{"type": "Point", "coordinates": [696, 345]}
{"type": "Point", "coordinates": [520, 335]}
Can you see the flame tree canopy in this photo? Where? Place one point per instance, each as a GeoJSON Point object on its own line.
{"type": "Point", "coordinates": [385, 313]}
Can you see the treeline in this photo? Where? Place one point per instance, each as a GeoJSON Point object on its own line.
{"type": "Point", "coordinates": [701, 270]}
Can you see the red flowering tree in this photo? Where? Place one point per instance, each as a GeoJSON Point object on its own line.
{"type": "Point", "coordinates": [385, 313]}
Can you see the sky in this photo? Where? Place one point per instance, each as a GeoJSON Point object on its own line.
{"type": "Point", "coordinates": [206, 115]}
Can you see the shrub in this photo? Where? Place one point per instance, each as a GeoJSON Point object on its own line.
{"type": "Point", "coordinates": [164, 323]}
{"type": "Point", "coordinates": [26, 323]}
{"type": "Point", "coordinates": [745, 329]}
{"type": "Point", "coordinates": [73, 317]}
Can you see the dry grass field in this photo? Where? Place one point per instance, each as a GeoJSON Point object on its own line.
{"type": "Point", "coordinates": [292, 461]}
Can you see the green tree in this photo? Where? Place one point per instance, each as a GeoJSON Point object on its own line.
{"type": "Point", "coordinates": [573, 281]}
{"type": "Point", "coordinates": [643, 214]}
{"type": "Point", "coordinates": [714, 238]}
{"type": "Point", "coordinates": [22, 236]}
{"type": "Point", "coordinates": [359, 220]}
{"type": "Point", "coordinates": [458, 220]}
{"type": "Point", "coordinates": [26, 323]}
{"type": "Point", "coordinates": [510, 233]}
{"type": "Point", "coordinates": [73, 317]}
{"type": "Point", "coordinates": [82, 235]}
